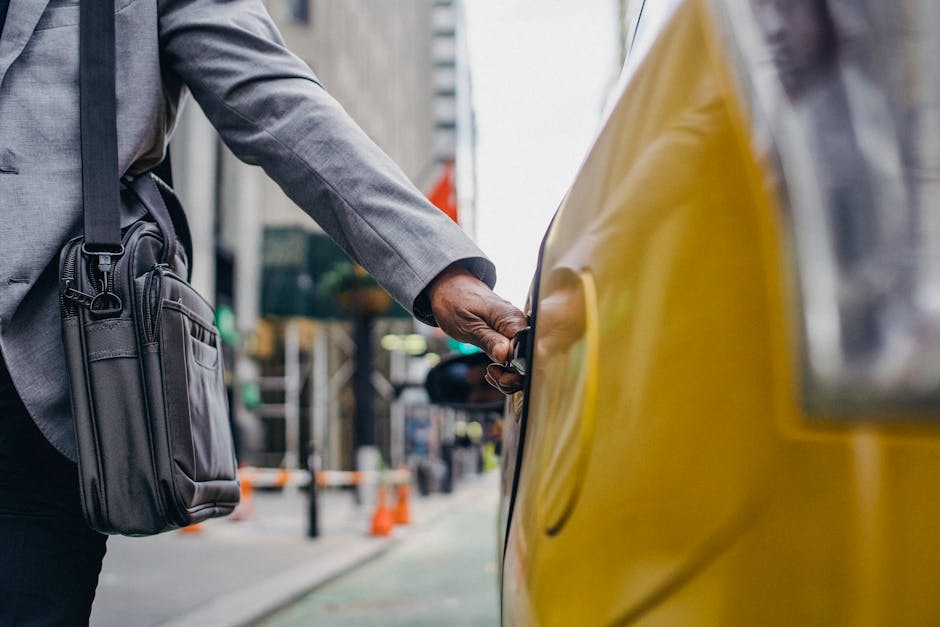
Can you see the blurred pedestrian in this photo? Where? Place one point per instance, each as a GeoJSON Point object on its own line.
{"type": "Point", "coordinates": [837, 107]}
{"type": "Point", "coordinates": [271, 111]}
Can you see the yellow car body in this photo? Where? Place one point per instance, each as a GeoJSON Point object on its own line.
{"type": "Point", "coordinates": [673, 466]}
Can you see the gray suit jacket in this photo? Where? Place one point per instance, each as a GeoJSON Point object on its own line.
{"type": "Point", "coordinates": [269, 109]}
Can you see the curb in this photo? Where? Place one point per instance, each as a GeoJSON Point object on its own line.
{"type": "Point", "coordinates": [247, 606]}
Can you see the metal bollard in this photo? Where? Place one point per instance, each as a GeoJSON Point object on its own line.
{"type": "Point", "coordinates": [313, 524]}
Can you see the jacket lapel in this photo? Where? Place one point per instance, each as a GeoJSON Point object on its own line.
{"type": "Point", "coordinates": [22, 17]}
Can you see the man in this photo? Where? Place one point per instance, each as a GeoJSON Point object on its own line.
{"type": "Point", "coordinates": [271, 111]}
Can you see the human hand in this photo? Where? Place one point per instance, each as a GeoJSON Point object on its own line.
{"type": "Point", "coordinates": [504, 379]}
{"type": "Point", "coordinates": [467, 310]}
{"type": "Point", "coordinates": [561, 320]}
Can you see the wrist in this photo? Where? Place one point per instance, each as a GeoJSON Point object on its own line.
{"type": "Point", "coordinates": [466, 276]}
{"type": "Point", "coordinates": [453, 275]}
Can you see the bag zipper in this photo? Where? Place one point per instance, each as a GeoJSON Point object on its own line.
{"type": "Point", "coordinates": [69, 296]}
{"type": "Point", "coordinates": [152, 292]}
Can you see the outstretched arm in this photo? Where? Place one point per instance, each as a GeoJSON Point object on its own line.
{"type": "Point", "coordinates": [271, 111]}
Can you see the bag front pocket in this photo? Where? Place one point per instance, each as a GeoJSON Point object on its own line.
{"type": "Point", "coordinates": [197, 409]}
{"type": "Point", "coordinates": [199, 468]}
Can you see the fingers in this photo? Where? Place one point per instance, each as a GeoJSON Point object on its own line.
{"type": "Point", "coordinates": [510, 383]}
{"type": "Point", "coordinates": [506, 319]}
{"type": "Point", "coordinates": [506, 381]}
{"type": "Point", "coordinates": [503, 321]}
{"type": "Point", "coordinates": [493, 344]}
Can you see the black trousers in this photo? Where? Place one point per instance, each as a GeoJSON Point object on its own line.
{"type": "Point", "coordinates": [49, 558]}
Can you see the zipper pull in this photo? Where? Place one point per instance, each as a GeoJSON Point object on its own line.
{"type": "Point", "coordinates": [70, 293]}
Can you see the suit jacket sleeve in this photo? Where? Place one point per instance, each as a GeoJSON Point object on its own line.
{"type": "Point", "coordinates": [271, 111]}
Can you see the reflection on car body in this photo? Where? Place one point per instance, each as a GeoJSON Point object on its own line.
{"type": "Point", "coordinates": [733, 407]}
{"type": "Point", "coordinates": [840, 150]}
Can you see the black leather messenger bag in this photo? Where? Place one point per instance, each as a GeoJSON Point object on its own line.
{"type": "Point", "coordinates": [144, 359]}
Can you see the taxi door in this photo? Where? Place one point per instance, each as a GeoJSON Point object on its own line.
{"type": "Point", "coordinates": [732, 411]}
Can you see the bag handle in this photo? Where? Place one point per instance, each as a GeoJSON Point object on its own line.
{"type": "Point", "coordinates": [149, 191]}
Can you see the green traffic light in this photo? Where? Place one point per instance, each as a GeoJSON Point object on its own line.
{"type": "Point", "coordinates": [461, 347]}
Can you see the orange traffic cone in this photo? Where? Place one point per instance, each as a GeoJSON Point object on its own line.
{"type": "Point", "coordinates": [402, 511]}
{"type": "Point", "coordinates": [246, 506]}
{"type": "Point", "coordinates": [382, 519]}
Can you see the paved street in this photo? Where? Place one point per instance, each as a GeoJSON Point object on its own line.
{"type": "Point", "coordinates": [234, 572]}
{"type": "Point", "coordinates": [148, 581]}
{"type": "Point", "coordinates": [446, 574]}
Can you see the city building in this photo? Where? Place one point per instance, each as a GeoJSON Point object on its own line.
{"type": "Point", "coordinates": [401, 70]}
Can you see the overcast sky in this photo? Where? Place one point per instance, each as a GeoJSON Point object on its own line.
{"type": "Point", "coordinates": [541, 73]}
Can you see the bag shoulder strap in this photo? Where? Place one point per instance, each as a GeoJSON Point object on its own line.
{"type": "Point", "coordinates": [98, 111]}
{"type": "Point", "coordinates": [101, 190]}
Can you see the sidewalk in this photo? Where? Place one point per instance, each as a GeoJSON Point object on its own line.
{"type": "Point", "coordinates": [445, 574]}
{"type": "Point", "coordinates": [233, 573]}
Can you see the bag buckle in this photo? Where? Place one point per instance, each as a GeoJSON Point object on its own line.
{"type": "Point", "coordinates": [106, 303]}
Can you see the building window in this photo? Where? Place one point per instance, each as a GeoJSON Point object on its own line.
{"type": "Point", "coordinates": [300, 11]}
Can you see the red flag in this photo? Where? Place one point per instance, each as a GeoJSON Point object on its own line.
{"type": "Point", "coordinates": [443, 194]}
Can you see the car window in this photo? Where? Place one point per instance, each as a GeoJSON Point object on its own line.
{"type": "Point", "coordinates": [651, 15]}
{"type": "Point", "coordinates": [842, 97]}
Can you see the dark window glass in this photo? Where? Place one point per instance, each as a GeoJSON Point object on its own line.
{"type": "Point", "coordinates": [300, 11]}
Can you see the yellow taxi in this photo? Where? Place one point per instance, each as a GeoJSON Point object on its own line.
{"type": "Point", "coordinates": [732, 412]}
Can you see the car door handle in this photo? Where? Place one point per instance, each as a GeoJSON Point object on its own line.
{"type": "Point", "coordinates": [521, 349]}
{"type": "Point", "coordinates": [559, 493]}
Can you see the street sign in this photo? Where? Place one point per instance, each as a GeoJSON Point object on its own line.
{"type": "Point", "coordinates": [294, 261]}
